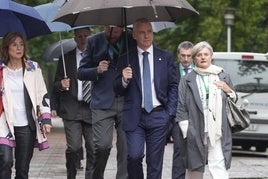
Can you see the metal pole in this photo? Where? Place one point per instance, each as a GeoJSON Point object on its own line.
{"type": "Point", "coordinates": [229, 22]}
{"type": "Point", "coordinates": [63, 59]}
{"type": "Point", "coordinates": [126, 33]}
{"type": "Point", "coordinates": [229, 39]}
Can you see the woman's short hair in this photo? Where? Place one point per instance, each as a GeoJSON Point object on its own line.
{"type": "Point", "coordinates": [201, 45]}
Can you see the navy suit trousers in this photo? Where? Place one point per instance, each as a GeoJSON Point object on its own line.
{"type": "Point", "coordinates": [151, 130]}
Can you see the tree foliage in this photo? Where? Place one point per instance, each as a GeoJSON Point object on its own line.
{"type": "Point", "coordinates": [249, 32]}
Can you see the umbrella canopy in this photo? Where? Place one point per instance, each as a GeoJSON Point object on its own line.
{"type": "Point", "coordinates": [158, 26]}
{"type": "Point", "coordinates": [48, 11]}
{"type": "Point", "coordinates": [53, 52]}
{"type": "Point", "coordinates": [21, 18]}
{"type": "Point", "coordinates": [122, 12]}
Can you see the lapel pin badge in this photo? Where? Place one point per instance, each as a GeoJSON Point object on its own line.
{"type": "Point", "coordinates": [160, 59]}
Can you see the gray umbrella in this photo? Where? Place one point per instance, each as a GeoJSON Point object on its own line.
{"type": "Point", "coordinates": [159, 26]}
{"type": "Point", "coordinates": [122, 12]}
{"type": "Point", "coordinates": [53, 52]}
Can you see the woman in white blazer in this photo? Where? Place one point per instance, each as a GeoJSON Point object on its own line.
{"type": "Point", "coordinates": [24, 107]}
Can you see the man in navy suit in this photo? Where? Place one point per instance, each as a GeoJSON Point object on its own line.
{"type": "Point", "coordinates": [144, 124]}
{"type": "Point", "coordinates": [99, 66]}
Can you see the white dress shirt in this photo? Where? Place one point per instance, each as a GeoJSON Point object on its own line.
{"type": "Point", "coordinates": [151, 64]}
{"type": "Point", "coordinates": [79, 84]}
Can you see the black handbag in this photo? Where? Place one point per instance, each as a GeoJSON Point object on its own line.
{"type": "Point", "coordinates": [238, 116]}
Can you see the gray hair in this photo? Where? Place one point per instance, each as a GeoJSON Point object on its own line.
{"type": "Point", "coordinates": [185, 45]}
{"type": "Point", "coordinates": [201, 45]}
{"type": "Point", "coordinates": [140, 20]}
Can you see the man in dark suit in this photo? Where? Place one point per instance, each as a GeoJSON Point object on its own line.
{"type": "Point", "coordinates": [99, 66]}
{"type": "Point", "coordinates": [184, 66]}
{"type": "Point", "coordinates": [146, 120]}
{"type": "Point", "coordinates": [74, 111]}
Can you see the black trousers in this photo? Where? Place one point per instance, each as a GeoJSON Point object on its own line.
{"type": "Point", "coordinates": [25, 138]}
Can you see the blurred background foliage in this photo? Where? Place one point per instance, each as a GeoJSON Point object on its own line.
{"type": "Point", "coordinates": [249, 32]}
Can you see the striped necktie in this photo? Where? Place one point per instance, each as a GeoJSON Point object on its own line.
{"type": "Point", "coordinates": [86, 91]}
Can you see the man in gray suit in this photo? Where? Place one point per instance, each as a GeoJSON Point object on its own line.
{"type": "Point", "coordinates": [73, 109]}
{"type": "Point", "coordinates": [184, 66]}
{"type": "Point", "coordinates": [99, 66]}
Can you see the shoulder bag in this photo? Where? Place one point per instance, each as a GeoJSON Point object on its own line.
{"type": "Point", "coordinates": [238, 116]}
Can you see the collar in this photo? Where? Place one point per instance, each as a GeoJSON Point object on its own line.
{"type": "Point", "coordinates": [78, 52]}
{"type": "Point", "coordinates": [190, 66]}
{"type": "Point", "coordinates": [150, 50]}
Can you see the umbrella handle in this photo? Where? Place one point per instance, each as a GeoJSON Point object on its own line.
{"type": "Point", "coordinates": [128, 80]}
{"type": "Point", "coordinates": [65, 77]}
{"type": "Point", "coordinates": [64, 70]}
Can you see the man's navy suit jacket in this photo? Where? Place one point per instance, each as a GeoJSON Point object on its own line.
{"type": "Point", "coordinates": [165, 81]}
{"type": "Point", "coordinates": [103, 95]}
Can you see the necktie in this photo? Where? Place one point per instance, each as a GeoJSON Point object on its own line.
{"type": "Point", "coordinates": [115, 50]}
{"type": "Point", "coordinates": [86, 91]}
{"type": "Point", "coordinates": [186, 69]}
{"type": "Point", "coordinates": [147, 89]}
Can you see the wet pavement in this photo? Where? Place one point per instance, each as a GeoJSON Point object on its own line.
{"type": "Point", "coordinates": [50, 163]}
